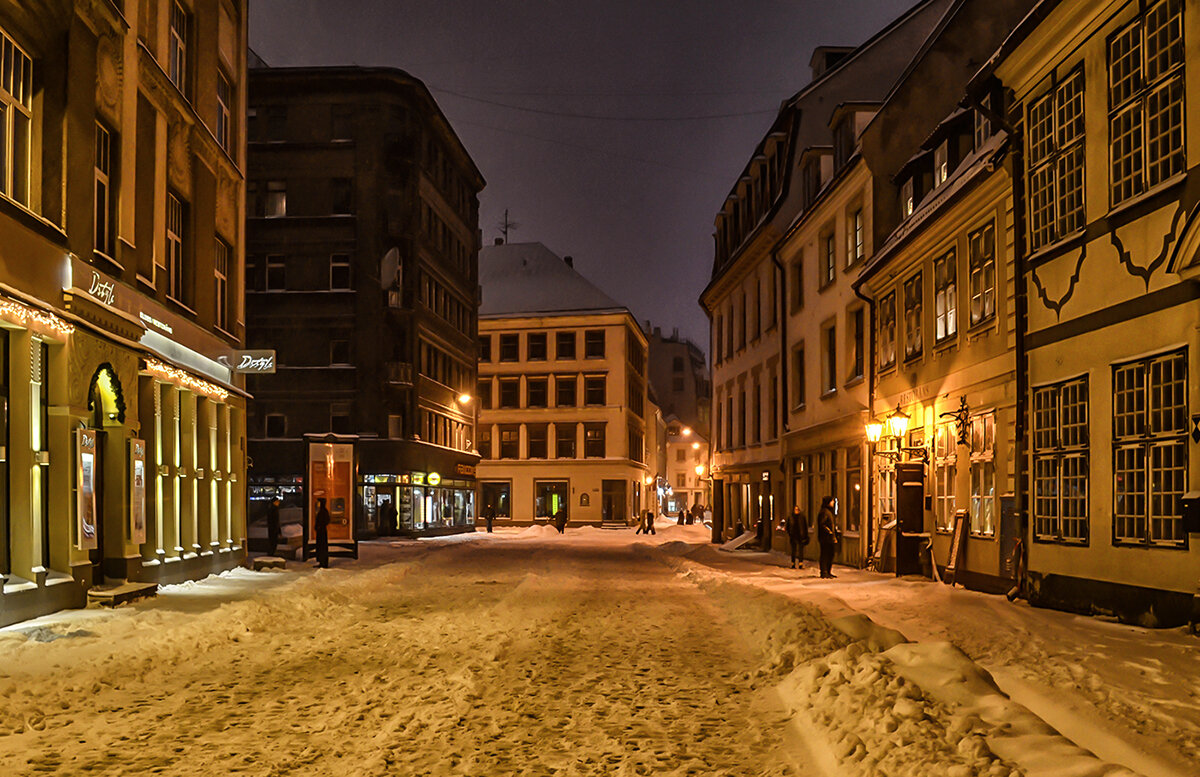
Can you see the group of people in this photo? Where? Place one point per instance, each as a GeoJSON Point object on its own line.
{"type": "Point", "coordinates": [646, 524]}
{"type": "Point", "coordinates": [828, 536]}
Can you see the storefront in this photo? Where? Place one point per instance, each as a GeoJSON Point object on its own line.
{"type": "Point", "coordinates": [415, 503]}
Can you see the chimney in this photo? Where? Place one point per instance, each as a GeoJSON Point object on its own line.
{"type": "Point", "coordinates": [570, 260]}
{"type": "Point", "coordinates": [499, 241]}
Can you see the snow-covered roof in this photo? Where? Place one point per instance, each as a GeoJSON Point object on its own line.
{"type": "Point", "coordinates": [530, 279]}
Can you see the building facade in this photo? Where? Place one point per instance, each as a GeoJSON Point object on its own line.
{"type": "Point", "coordinates": [121, 247]}
{"type": "Point", "coordinates": [679, 378]}
{"type": "Point", "coordinates": [362, 274]}
{"type": "Point", "coordinates": [564, 415]}
{"type": "Point", "coordinates": [687, 463]}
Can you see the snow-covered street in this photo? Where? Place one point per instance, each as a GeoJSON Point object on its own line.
{"type": "Point", "coordinates": [522, 652]}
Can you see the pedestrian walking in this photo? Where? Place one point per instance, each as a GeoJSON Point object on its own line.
{"type": "Point", "coordinates": [796, 526]}
{"type": "Point", "coordinates": [641, 529]}
{"type": "Point", "coordinates": [322, 523]}
{"type": "Point", "coordinates": [272, 526]}
{"type": "Point", "coordinates": [650, 522]}
{"type": "Point", "coordinates": [560, 520]}
{"type": "Point", "coordinates": [827, 535]}
{"type": "Point", "coordinates": [489, 515]}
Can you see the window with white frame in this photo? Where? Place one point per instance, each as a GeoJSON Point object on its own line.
{"type": "Point", "coordinates": [221, 284]}
{"type": "Point", "coordinates": [983, 125]}
{"type": "Point", "coordinates": [829, 349]}
{"type": "Point", "coordinates": [912, 317]}
{"type": "Point", "coordinates": [1060, 461]}
{"type": "Point", "coordinates": [887, 478]}
{"type": "Point", "coordinates": [1150, 423]}
{"type": "Point", "coordinates": [982, 261]}
{"type": "Point", "coordinates": [941, 163]}
{"type": "Point", "coordinates": [907, 203]}
{"type": "Point", "coordinates": [828, 259]}
{"type": "Point", "coordinates": [224, 112]}
{"type": "Point", "coordinates": [176, 283]}
{"type": "Point", "coordinates": [854, 237]}
{"type": "Point", "coordinates": [177, 55]}
{"type": "Point", "coordinates": [1145, 100]}
{"type": "Point", "coordinates": [16, 120]}
{"type": "Point", "coordinates": [945, 463]}
{"type": "Point", "coordinates": [102, 228]}
{"type": "Point", "coordinates": [983, 474]}
{"type": "Point", "coordinates": [1055, 122]}
{"type": "Point", "coordinates": [945, 296]}
{"type": "Point", "coordinates": [887, 331]}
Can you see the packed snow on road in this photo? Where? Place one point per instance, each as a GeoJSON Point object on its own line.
{"type": "Point", "coordinates": [526, 652]}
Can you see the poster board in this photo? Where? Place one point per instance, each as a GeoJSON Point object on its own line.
{"type": "Point", "coordinates": [956, 544]}
{"type": "Point", "coordinates": [85, 489]}
{"type": "Point", "coordinates": [137, 491]}
{"type": "Point", "coordinates": [331, 477]}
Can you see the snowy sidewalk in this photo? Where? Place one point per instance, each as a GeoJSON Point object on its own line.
{"type": "Point", "coordinates": [1128, 694]}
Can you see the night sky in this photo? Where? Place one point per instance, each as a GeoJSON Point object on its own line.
{"type": "Point", "coordinates": [632, 119]}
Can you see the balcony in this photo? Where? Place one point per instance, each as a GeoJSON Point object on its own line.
{"type": "Point", "coordinates": [398, 373]}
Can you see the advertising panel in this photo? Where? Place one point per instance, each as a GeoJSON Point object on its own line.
{"type": "Point", "coordinates": [331, 477]}
{"type": "Point", "coordinates": [85, 489]}
{"type": "Point", "coordinates": [137, 491]}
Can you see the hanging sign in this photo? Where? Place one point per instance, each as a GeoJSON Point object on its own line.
{"type": "Point", "coordinates": [85, 489]}
{"type": "Point", "coordinates": [137, 491]}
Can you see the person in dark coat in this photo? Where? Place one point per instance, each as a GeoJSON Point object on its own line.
{"type": "Point", "coordinates": [489, 515]}
{"type": "Point", "coordinates": [322, 523]}
{"type": "Point", "coordinates": [796, 526]}
{"type": "Point", "coordinates": [387, 517]}
{"type": "Point", "coordinates": [650, 522]}
{"type": "Point", "coordinates": [272, 526]}
{"type": "Point", "coordinates": [560, 521]}
{"type": "Point", "coordinates": [827, 536]}
{"type": "Point", "coordinates": [641, 529]}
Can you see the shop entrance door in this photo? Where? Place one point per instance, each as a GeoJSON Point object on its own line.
{"type": "Point", "coordinates": [612, 502]}
{"type": "Point", "coordinates": [96, 555]}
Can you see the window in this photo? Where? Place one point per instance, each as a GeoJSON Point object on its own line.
{"type": "Point", "coordinates": [887, 331]}
{"type": "Point", "coordinates": [983, 274]}
{"type": "Point", "coordinates": [828, 259]}
{"type": "Point", "coordinates": [1150, 423]}
{"type": "Point", "coordinates": [843, 141]}
{"type": "Point", "coordinates": [756, 404]}
{"type": "Point", "coordinates": [535, 392]}
{"type": "Point", "coordinates": [339, 272]}
{"type": "Point", "coordinates": [564, 440]}
{"type": "Point", "coordinates": [983, 474]}
{"type": "Point", "coordinates": [635, 395]}
{"type": "Point", "coordinates": [485, 348]}
{"type": "Point", "coordinates": [941, 163]}
{"type": "Point", "coordinates": [342, 191]}
{"type": "Point", "coordinates": [983, 125]}
{"type": "Point", "coordinates": [593, 344]}
{"type": "Point", "coordinates": [1060, 462]}
{"type": "Point", "coordinates": [339, 352]}
{"type": "Point", "coordinates": [887, 479]}
{"type": "Point", "coordinates": [177, 60]}
{"type": "Point", "coordinates": [509, 348]}
{"type": "Point", "coordinates": [772, 407]}
{"type": "Point", "coordinates": [907, 203]}
{"type": "Point", "coordinates": [535, 346]}
{"type": "Point", "coordinates": [854, 237]}
{"type": "Point", "coordinates": [635, 443]}
{"type": "Point", "coordinates": [535, 441]}
{"type": "Point", "coordinates": [276, 273]}
{"type": "Point", "coordinates": [798, 284]}
{"type": "Point", "coordinates": [564, 345]}
{"type": "Point", "coordinates": [811, 180]}
{"type": "Point", "coordinates": [483, 390]}
{"type": "Point", "coordinates": [276, 425]}
{"type": "Point", "coordinates": [275, 204]}
{"type": "Point", "coordinates": [729, 334]}
{"type": "Point", "coordinates": [945, 296]}
{"type": "Point", "coordinates": [593, 390]}
{"type": "Point", "coordinates": [510, 441]}
{"type": "Point", "coordinates": [729, 421]}
{"type": "Point", "coordinates": [912, 317]}
{"type": "Point", "coordinates": [853, 504]}
{"type": "Point", "coordinates": [497, 496]}
{"type": "Point", "coordinates": [550, 496]}
{"type": "Point", "coordinates": [510, 392]}
{"type": "Point", "coordinates": [754, 313]}
{"type": "Point", "coordinates": [799, 394]}
{"type": "Point", "coordinates": [742, 417]}
{"type": "Point", "coordinates": [829, 357]}
{"type": "Point", "coordinates": [718, 339]}
{"type": "Point", "coordinates": [945, 460]}
{"type": "Point", "coordinates": [564, 390]}
{"type": "Point", "coordinates": [224, 112]}
{"type": "Point", "coordinates": [221, 284]}
{"type": "Point", "coordinates": [341, 122]}
{"type": "Point", "coordinates": [1145, 100]}
{"type": "Point", "coordinates": [176, 284]}
{"type": "Point", "coordinates": [593, 441]}
{"type": "Point", "coordinates": [858, 333]}
{"type": "Point", "coordinates": [681, 480]}
{"type": "Point", "coordinates": [16, 120]}
{"type": "Point", "coordinates": [102, 229]}
{"type": "Point", "coordinates": [1055, 123]}
{"type": "Point", "coordinates": [339, 418]}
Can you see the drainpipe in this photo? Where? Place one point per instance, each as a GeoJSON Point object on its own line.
{"type": "Point", "coordinates": [781, 376]}
{"type": "Point", "coordinates": [870, 414]}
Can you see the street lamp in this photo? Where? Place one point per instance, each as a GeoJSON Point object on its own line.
{"type": "Point", "coordinates": [695, 446]}
{"type": "Point", "coordinates": [687, 431]}
{"type": "Point", "coordinates": [874, 430]}
{"type": "Point", "coordinates": [700, 470]}
{"type": "Point", "coordinates": [897, 423]}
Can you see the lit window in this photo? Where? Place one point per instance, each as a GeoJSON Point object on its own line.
{"type": "Point", "coordinates": [828, 259]}
{"type": "Point", "coordinates": [941, 164]}
{"type": "Point", "coordinates": [912, 317]}
{"type": "Point", "coordinates": [983, 474]}
{"type": "Point", "coordinates": [176, 284]}
{"type": "Point", "coordinates": [1056, 162]}
{"type": "Point", "coordinates": [887, 331]}
{"type": "Point", "coordinates": [854, 237]}
{"type": "Point", "coordinates": [907, 203]}
{"type": "Point", "coordinates": [983, 274]}
{"type": "Point", "coordinates": [276, 199]}
{"type": "Point", "coordinates": [1060, 461]}
{"type": "Point", "coordinates": [16, 120]}
{"type": "Point", "coordinates": [945, 457]}
{"type": "Point", "coordinates": [221, 285]}
{"type": "Point", "coordinates": [102, 229]}
{"type": "Point", "coordinates": [945, 296]}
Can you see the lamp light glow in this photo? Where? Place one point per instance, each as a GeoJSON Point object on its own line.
{"type": "Point", "coordinates": [700, 470]}
{"type": "Point", "coordinates": [464, 399]}
{"type": "Point", "coordinates": [874, 430]}
{"type": "Point", "coordinates": [897, 423]}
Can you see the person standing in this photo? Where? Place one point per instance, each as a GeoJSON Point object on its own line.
{"type": "Point", "coordinates": [489, 515]}
{"type": "Point", "coordinates": [650, 522]}
{"type": "Point", "coordinates": [322, 525]}
{"type": "Point", "coordinates": [272, 526]}
{"type": "Point", "coordinates": [827, 536]}
{"type": "Point", "coordinates": [796, 527]}
{"type": "Point", "coordinates": [388, 517]}
{"type": "Point", "coordinates": [560, 520]}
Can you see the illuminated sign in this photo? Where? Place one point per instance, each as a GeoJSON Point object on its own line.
{"type": "Point", "coordinates": [137, 491]}
{"type": "Point", "coordinates": [154, 322]}
{"type": "Point", "coordinates": [464, 469]}
{"type": "Point", "coordinates": [433, 478]}
{"type": "Point", "coordinates": [102, 290]}
{"type": "Point", "coordinates": [255, 362]}
{"type": "Point", "coordinates": [85, 491]}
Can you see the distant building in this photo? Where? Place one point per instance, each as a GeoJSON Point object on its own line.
{"type": "Point", "coordinates": [680, 379]}
{"type": "Point", "coordinates": [121, 177]}
{"type": "Point", "coordinates": [564, 417]}
{"type": "Point", "coordinates": [362, 230]}
{"type": "Point", "coordinates": [687, 467]}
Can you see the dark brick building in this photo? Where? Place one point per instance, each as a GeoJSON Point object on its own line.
{"type": "Point", "coordinates": [362, 273]}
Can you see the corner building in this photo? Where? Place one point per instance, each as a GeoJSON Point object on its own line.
{"type": "Point", "coordinates": [564, 414]}
{"type": "Point", "coordinates": [362, 274]}
{"type": "Point", "coordinates": [120, 297]}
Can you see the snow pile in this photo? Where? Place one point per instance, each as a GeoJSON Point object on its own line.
{"type": "Point", "coordinates": [537, 530]}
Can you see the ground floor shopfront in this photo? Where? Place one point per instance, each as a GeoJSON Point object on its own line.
{"type": "Point", "coordinates": [595, 492]}
{"type": "Point", "coordinates": [395, 487]}
{"type": "Point", "coordinates": [123, 454]}
{"type": "Point", "coordinates": [744, 495]}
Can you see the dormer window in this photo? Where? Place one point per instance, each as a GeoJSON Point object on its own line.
{"type": "Point", "coordinates": [812, 180]}
{"type": "Point", "coordinates": [843, 141]}
{"type": "Point", "coordinates": [983, 125]}
{"type": "Point", "coordinates": [907, 203]}
{"type": "Point", "coordinates": [941, 163]}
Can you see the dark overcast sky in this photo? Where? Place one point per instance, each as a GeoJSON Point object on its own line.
{"type": "Point", "coordinates": [632, 200]}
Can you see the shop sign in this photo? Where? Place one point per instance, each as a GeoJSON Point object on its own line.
{"type": "Point", "coordinates": [260, 362]}
{"type": "Point", "coordinates": [465, 469]}
{"type": "Point", "coordinates": [418, 478]}
{"type": "Point", "coordinates": [433, 478]}
{"type": "Point", "coordinates": [137, 491]}
{"type": "Point", "coordinates": [102, 290]}
{"type": "Point", "coordinates": [85, 488]}
{"type": "Point", "coordinates": [331, 477]}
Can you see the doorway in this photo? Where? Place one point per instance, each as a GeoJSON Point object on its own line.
{"type": "Point", "coordinates": [107, 415]}
{"type": "Point", "coordinates": [612, 502]}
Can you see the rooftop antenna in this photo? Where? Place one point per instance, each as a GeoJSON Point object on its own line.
{"type": "Point", "coordinates": [507, 225]}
